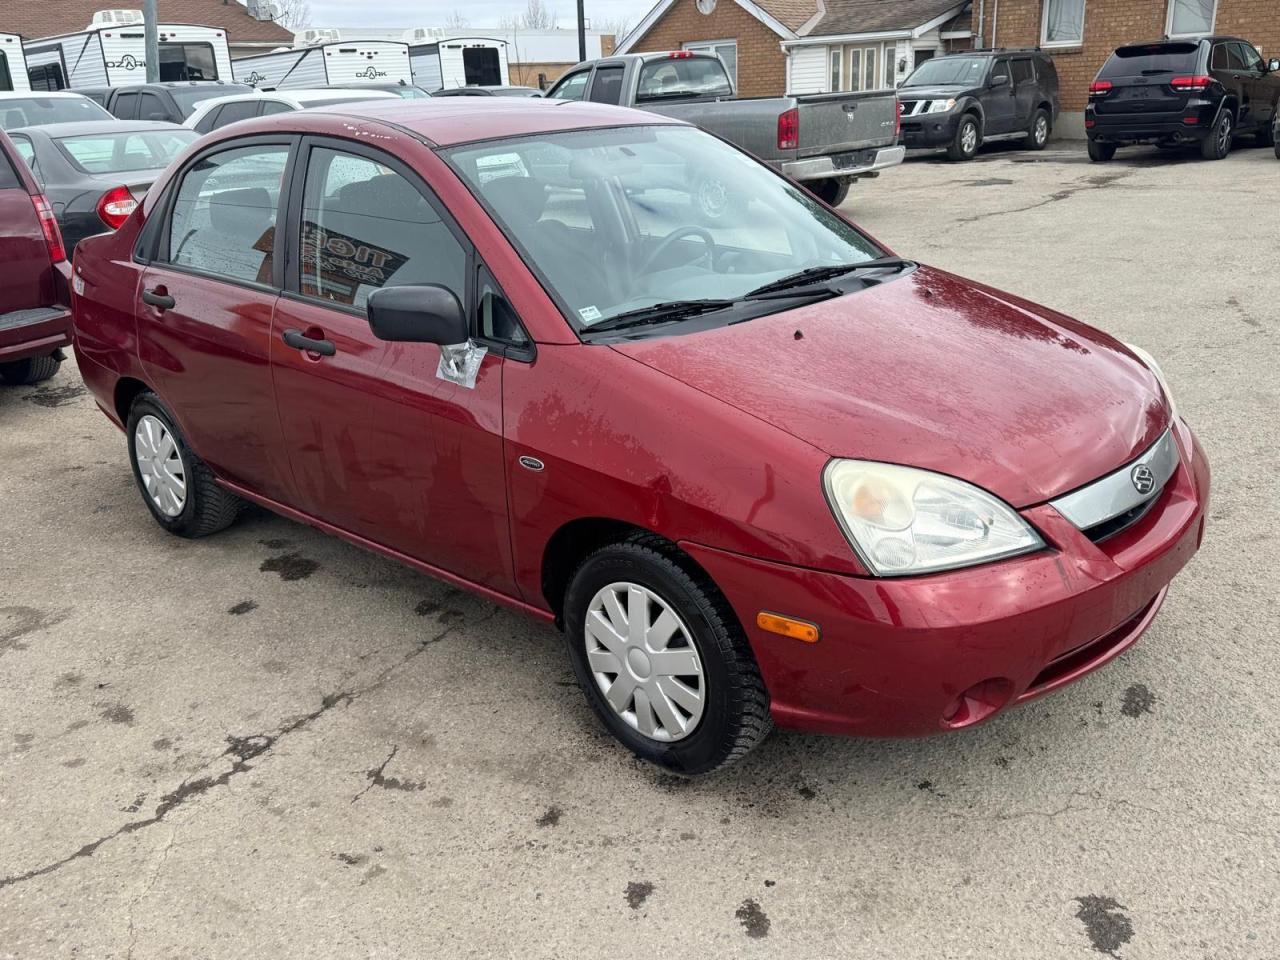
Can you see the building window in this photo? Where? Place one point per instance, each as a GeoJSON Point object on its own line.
{"type": "Point", "coordinates": [862, 68]}
{"type": "Point", "coordinates": [726, 50]}
{"type": "Point", "coordinates": [835, 69]}
{"type": "Point", "coordinates": [1063, 24]}
{"type": "Point", "coordinates": [1190, 17]}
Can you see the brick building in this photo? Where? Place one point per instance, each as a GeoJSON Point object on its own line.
{"type": "Point", "coordinates": [771, 47]}
{"type": "Point", "coordinates": [1080, 34]}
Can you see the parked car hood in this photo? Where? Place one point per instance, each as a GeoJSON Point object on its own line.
{"type": "Point", "coordinates": [933, 371]}
{"type": "Point", "coordinates": [943, 92]}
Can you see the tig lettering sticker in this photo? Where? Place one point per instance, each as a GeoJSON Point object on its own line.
{"type": "Point", "coordinates": [589, 314]}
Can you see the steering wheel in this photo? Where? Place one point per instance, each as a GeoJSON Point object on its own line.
{"type": "Point", "coordinates": [679, 233]}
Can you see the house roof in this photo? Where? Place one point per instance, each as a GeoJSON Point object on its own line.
{"type": "Point", "coordinates": [42, 18]}
{"type": "Point", "coordinates": [880, 16]}
{"type": "Point", "coordinates": [783, 17]}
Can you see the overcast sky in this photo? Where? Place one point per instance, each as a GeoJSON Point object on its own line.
{"type": "Point", "coordinates": [479, 13]}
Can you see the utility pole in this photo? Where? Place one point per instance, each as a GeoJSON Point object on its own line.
{"type": "Point", "coordinates": [152, 41]}
{"type": "Point", "coordinates": [581, 32]}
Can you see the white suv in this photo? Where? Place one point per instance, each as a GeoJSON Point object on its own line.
{"type": "Point", "coordinates": [220, 111]}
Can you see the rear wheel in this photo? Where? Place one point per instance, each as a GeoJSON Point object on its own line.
{"type": "Point", "coordinates": [661, 658]}
{"type": "Point", "coordinates": [830, 191]}
{"type": "Point", "coordinates": [964, 145]}
{"type": "Point", "coordinates": [1101, 152]}
{"type": "Point", "coordinates": [176, 486]}
{"type": "Point", "coordinates": [1218, 144]}
{"type": "Point", "coordinates": [1038, 133]}
{"type": "Point", "coordinates": [31, 370]}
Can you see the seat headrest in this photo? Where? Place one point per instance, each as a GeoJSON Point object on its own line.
{"type": "Point", "coordinates": [520, 199]}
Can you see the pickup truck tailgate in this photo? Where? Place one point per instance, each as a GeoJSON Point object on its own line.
{"type": "Point", "coordinates": [834, 123]}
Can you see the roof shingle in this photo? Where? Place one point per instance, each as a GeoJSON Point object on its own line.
{"type": "Point", "coordinates": [43, 18]}
{"type": "Point", "coordinates": [877, 16]}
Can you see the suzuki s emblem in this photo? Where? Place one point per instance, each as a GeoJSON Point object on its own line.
{"type": "Point", "coordinates": [1144, 481]}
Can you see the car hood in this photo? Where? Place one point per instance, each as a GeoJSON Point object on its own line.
{"type": "Point", "coordinates": [933, 93]}
{"type": "Point", "coordinates": [933, 371]}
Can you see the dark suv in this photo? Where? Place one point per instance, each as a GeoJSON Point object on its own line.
{"type": "Point", "coordinates": [962, 100]}
{"type": "Point", "coordinates": [1203, 90]}
{"type": "Point", "coordinates": [173, 101]}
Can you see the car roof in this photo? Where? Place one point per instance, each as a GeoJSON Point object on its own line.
{"type": "Point", "coordinates": [41, 94]}
{"type": "Point", "coordinates": [447, 121]}
{"type": "Point", "coordinates": [85, 128]}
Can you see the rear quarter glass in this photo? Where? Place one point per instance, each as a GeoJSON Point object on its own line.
{"type": "Point", "coordinates": [1148, 59]}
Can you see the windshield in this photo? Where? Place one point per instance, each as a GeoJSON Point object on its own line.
{"type": "Point", "coordinates": [188, 97]}
{"type": "Point", "coordinates": [616, 220]}
{"type": "Point", "coordinates": [125, 152]}
{"type": "Point", "coordinates": [683, 77]}
{"type": "Point", "coordinates": [33, 111]}
{"type": "Point", "coordinates": [966, 71]}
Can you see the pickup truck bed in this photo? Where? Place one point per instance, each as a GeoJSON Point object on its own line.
{"type": "Point", "coordinates": [824, 141]}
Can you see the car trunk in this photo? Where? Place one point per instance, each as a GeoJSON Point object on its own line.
{"type": "Point", "coordinates": [837, 123]}
{"type": "Point", "coordinates": [1141, 79]}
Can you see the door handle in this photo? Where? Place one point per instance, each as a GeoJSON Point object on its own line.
{"type": "Point", "coordinates": [295, 339]}
{"type": "Point", "coordinates": [158, 298]}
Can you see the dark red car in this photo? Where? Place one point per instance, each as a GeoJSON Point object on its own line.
{"type": "Point", "coordinates": [35, 313]}
{"type": "Point", "coordinates": [760, 473]}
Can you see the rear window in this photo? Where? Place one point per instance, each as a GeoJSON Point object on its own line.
{"type": "Point", "coordinates": [1150, 59]}
{"type": "Point", "coordinates": [188, 97]}
{"type": "Point", "coordinates": [683, 77]}
{"type": "Point", "coordinates": [33, 111]}
{"type": "Point", "coordinates": [125, 152]}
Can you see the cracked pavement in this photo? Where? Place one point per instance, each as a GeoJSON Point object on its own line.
{"type": "Point", "coordinates": [271, 744]}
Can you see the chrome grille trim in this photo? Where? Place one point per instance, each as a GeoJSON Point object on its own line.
{"type": "Point", "coordinates": [1115, 493]}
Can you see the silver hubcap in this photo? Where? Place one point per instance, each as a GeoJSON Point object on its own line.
{"type": "Point", "coordinates": [1042, 129]}
{"type": "Point", "coordinates": [160, 466]}
{"type": "Point", "coordinates": [969, 138]}
{"type": "Point", "coordinates": [1224, 134]}
{"type": "Point", "coordinates": [644, 662]}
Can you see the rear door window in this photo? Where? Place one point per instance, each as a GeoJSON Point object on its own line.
{"type": "Point", "coordinates": [365, 227]}
{"type": "Point", "coordinates": [224, 214]}
{"type": "Point", "coordinates": [1152, 59]}
{"type": "Point", "coordinates": [1022, 71]}
{"type": "Point", "coordinates": [125, 106]}
{"type": "Point", "coordinates": [238, 110]}
{"type": "Point", "coordinates": [275, 106]}
{"type": "Point", "coordinates": [607, 85]}
{"type": "Point", "coordinates": [151, 107]}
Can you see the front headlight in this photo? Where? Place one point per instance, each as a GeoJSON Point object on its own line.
{"type": "Point", "coordinates": [1154, 367]}
{"type": "Point", "coordinates": [904, 521]}
{"type": "Point", "coordinates": [940, 106]}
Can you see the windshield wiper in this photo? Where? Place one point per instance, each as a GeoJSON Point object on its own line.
{"type": "Point", "coordinates": [659, 313]}
{"type": "Point", "coordinates": [816, 274]}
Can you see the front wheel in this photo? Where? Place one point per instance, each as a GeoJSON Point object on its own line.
{"type": "Point", "coordinates": [31, 370]}
{"type": "Point", "coordinates": [1218, 144]}
{"type": "Point", "coordinates": [661, 658]}
{"type": "Point", "coordinates": [1038, 132]}
{"type": "Point", "coordinates": [1101, 152]}
{"type": "Point", "coordinates": [964, 145]}
{"type": "Point", "coordinates": [176, 486]}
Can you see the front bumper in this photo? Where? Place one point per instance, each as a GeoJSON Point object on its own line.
{"type": "Point", "coordinates": [930, 129]}
{"type": "Point", "coordinates": [895, 655]}
{"type": "Point", "coordinates": [857, 163]}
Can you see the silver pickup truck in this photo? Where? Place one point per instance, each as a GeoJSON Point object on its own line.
{"type": "Point", "coordinates": [824, 141]}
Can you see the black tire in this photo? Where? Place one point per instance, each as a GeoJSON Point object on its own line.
{"type": "Point", "coordinates": [1101, 152]}
{"type": "Point", "coordinates": [31, 370]}
{"type": "Point", "coordinates": [829, 190]}
{"type": "Point", "coordinates": [962, 146]}
{"type": "Point", "coordinates": [735, 716]}
{"type": "Point", "coordinates": [207, 508]}
{"type": "Point", "coordinates": [1217, 144]}
{"type": "Point", "coordinates": [1038, 131]}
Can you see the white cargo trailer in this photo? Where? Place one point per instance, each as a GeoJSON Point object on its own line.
{"type": "Point", "coordinates": [459, 62]}
{"type": "Point", "coordinates": [112, 53]}
{"type": "Point", "coordinates": [348, 64]}
{"type": "Point", "coordinates": [13, 65]}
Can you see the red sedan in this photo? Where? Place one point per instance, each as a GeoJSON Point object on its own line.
{"type": "Point", "coordinates": [759, 471]}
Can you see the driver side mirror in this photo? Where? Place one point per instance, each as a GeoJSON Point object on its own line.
{"type": "Point", "coordinates": [1000, 81]}
{"type": "Point", "coordinates": [1273, 65]}
{"type": "Point", "coordinates": [418, 313]}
